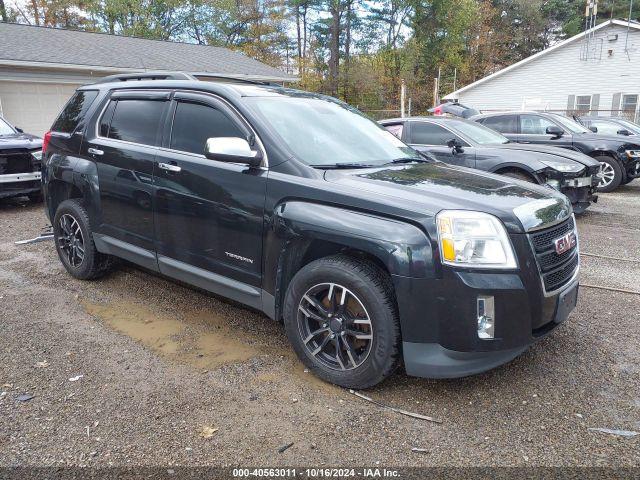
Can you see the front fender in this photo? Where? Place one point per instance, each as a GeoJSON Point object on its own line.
{"type": "Point", "coordinates": [402, 247]}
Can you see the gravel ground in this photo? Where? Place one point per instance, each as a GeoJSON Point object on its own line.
{"type": "Point", "coordinates": [173, 376]}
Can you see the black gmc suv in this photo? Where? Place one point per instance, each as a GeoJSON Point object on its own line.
{"type": "Point", "coordinates": [299, 206]}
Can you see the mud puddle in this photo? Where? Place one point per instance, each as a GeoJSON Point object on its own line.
{"type": "Point", "coordinates": [173, 338]}
{"type": "Point", "coordinates": [201, 339]}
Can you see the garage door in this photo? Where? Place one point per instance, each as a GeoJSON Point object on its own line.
{"type": "Point", "coordinates": [33, 106]}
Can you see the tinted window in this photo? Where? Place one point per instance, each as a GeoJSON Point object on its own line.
{"type": "Point", "coordinates": [194, 123]}
{"type": "Point", "coordinates": [534, 125]}
{"type": "Point", "coordinates": [395, 129]}
{"type": "Point", "coordinates": [106, 118]}
{"type": "Point", "coordinates": [5, 128]}
{"type": "Point", "coordinates": [502, 123]}
{"type": "Point", "coordinates": [136, 121]}
{"type": "Point", "coordinates": [74, 111]}
{"type": "Point", "coordinates": [430, 134]}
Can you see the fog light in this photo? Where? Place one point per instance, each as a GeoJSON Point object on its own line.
{"type": "Point", "coordinates": [486, 317]}
{"type": "Point", "coordinates": [555, 184]}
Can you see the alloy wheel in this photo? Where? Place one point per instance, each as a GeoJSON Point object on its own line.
{"type": "Point", "coordinates": [607, 175]}
{"type": "Point", "coordinates": [334, 326]}
{"type": "Point", "coordinates": [70, 240]}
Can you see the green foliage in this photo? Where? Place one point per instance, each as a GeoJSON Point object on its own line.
{"type": "Point", "coordinates": [360, 50]}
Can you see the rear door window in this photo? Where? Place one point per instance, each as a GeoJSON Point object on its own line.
{"type": "Point", "coordinates": [74, 111]}
{"type": "Point", "coordinates": [502, 123]}
{"type": "Point", "coordinates": [136, 121]}
{"type": "Point", "coordinates": [194, 123]}
{"type": "Point", "coordinates": [425, 133]}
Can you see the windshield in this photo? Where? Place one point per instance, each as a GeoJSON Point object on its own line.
{"type": "Point", "coordinates": [5, 128]}
{"type": "Point", "coordinates": [571, 125]}
{"type": "Point", "coordinates": [323, 132]}
{"type": "Point", "coordinates": [480, 134]}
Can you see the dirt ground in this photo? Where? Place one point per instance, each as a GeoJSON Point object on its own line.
{"type": "Point", "coordinates": [136, 370]}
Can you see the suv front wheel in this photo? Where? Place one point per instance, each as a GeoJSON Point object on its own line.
{"type": "Point", "coordinates": [74, 242]}
{"type": "Point", "coordinates": [341, 318]}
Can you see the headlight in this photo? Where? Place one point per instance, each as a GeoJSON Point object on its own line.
{"type": "Point", "coordinates": [473, 239]}
{"type": "Point", "coordinates": [563, 167]}
{"type": "Point", "coordinates": [632, 153]}
{"type": "Point", "coordinates": [37, 154]}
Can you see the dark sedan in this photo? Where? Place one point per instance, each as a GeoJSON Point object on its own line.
{"type": "Point", "coordinates": [20, 159]}
{"type": "Point", "coordinates": [618, 155]}
{"type": "Point", "coordinates": [468, 144]}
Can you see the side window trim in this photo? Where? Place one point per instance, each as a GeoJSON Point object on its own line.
{"type": "Point", "coordinates": [210, 99]}
{"type": "Point", "coordinates": [116, 96]}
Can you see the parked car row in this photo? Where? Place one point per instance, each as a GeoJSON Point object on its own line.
{"type": "Point", "coordinates": [297, 205]}
{"type": "Point", "coordinates": [618, 155]}
{"type": "Point", "coordinates": [468, 144]}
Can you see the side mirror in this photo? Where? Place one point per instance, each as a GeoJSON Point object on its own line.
{"type": "Point", "coordinates": [593, 129]}
{"type": "Point", "coordinates": [624, 131]}
{"type": "Point", "coordinates": [232, 150]}
{"type": "Point", "coordinates": [19, 130]}
{"type": "Point", "coordinates": [455, 145]}
{"type": "Point", "coordinates": [555, 131]}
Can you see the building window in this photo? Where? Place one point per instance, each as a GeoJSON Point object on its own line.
{"type": "Point", "coordinates": [629, 107]}
{"type": "Point", "coordinates": [583, 104]}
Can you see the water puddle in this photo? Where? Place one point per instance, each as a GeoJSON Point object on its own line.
{"type": "Point", "coordinates": [201, 339]}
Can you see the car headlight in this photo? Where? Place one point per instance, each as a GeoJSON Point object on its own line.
{"type": "Point", "coordinates": [37, 154]}
{"type": "Point", "coordinates": [563, 167]}
{"type": "Point", "coordinates": [632, 153]}
{"type": "Point", "coordinates": [473, 239]}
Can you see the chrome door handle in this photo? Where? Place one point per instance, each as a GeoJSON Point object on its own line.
{"type": "Point", "coordinates": [95, 151]}
{"type": "Point", "coordinates": [169, 168]}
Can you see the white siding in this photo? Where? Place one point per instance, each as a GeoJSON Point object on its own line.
{"type": "Point", "coordinates": [560, 73]}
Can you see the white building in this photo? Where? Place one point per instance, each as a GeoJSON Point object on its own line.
{"type": "Point", "coordinates": [596, 71]}
{"type": "Point", "coordinates": [40, 67]}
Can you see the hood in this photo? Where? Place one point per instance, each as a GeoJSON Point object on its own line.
{"type": "Point", "coordinates": [430, 187]}
{"type": "Point", "coordinates": [617, 140]}
{"type": "Point", "coordinates": [565, 153]}
{"type": "Point", "coordinates": [20, 140]}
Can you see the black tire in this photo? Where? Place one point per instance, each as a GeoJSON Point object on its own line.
{"type": "Point", "coordinates": [612, 169]}
{"type": "Point", "coordinates": [519, 176]}
{"type": "Point", "coordinates": [373, 290]}
{"type": "Point", "coordinates": [93, 264]}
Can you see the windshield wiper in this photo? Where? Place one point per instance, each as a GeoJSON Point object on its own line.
{"type": "Point", "coordinates": [410, 160]}
{"type": "Point", "coordinates": [337, 166]}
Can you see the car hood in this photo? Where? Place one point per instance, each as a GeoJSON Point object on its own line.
{"type": "Point", "coordinates": [20, 140]}
{"type": "Point", "coordinates": [430, 187]}
{"type": "Point", "coordinates": [565, 153]}
{"type": "Point", "coordinates": [616, 140]}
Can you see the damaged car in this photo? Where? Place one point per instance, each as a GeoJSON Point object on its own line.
{"type": "Point", "coordinates": [467, 144]}
{"type": "Point", "coordinates": [20, 161]}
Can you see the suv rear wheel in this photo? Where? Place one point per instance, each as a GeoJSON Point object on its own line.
{"type": "Point", "coordinates": [341, 318]}
{"type": "Point", "coordinates": [74, 242]}
{"type": "Point", "coordinates": [612, 175]}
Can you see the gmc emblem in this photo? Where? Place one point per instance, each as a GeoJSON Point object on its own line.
{"type": "Point", "coordinates": [565, 243]}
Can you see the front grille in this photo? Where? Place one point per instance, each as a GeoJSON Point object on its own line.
{"type": "Point", "coordinates": [556, 270]}
{"type": "Point", "coordinates": [19, 162]}
{"type": "Point", "coordinates": [543, 240]}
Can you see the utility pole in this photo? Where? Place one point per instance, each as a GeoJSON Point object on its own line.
{"type": "Point", "coordinates": [403, 95]}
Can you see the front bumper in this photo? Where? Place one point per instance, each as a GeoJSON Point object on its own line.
{"type": "Point", "coordinates": [18, 184]}
{"type": "Point", "coordinates": [440, 329]}
{"type": "Point", "coordinates": [579, 189]}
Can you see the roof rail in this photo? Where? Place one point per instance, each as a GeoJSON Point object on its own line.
{"type": "Point", "coordinates": [128, 77]}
